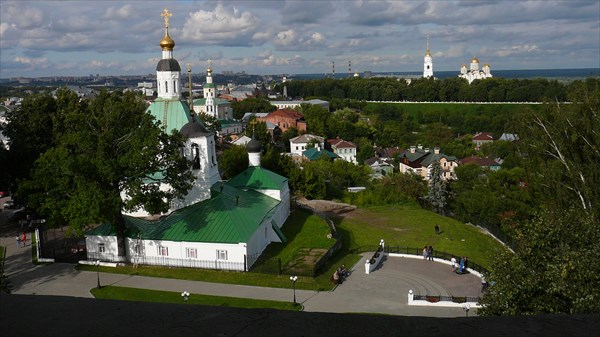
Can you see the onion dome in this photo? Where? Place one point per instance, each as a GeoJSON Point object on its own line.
{"type": "Point", "coordinates": [474, 60]}
{"type": "Point", "coordinates": [167, 43]}
{"type": "Point", "coordinates": [253, 145]}
{"type": "Point", "coordinates": [194, 129]}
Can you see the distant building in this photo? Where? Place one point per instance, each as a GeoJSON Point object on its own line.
{"type": "Point", "coordinates": [481, 138]}
{"type": "Point", "coordinates": [300, 144]}
{"type": "Point", "coordinates": [344, 149]}
{"type": "Point", "coordinates": [285, 119]}
{"type": "Point", "coordinates": [419, 161]}
{"type": "Point", "coordinates": [473, 73]}
{"type": "Point", "coordinates": [297, 103]}
{"type": "Point", "coordinates": [509, 137]}
{"type": "Point", "coordinates": [427, 62]}
{"type": "Point", "coordinates": [488, 163]}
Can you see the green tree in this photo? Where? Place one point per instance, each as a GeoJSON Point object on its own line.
{"type": "Point", "coordinates": [437, 196]}
{"type": "Point", "coordinates": [103, 151]}
{"type": "Point", "coordinates": [31, 130]}
{"type": "Point", "coordinates": [555, 267]}
{"type": "Point", "coordinates": [316, 117]}
{"type": "Point", "coordinates": [233, 161]}
{"type": "Point", "coordinates": [251, 105]}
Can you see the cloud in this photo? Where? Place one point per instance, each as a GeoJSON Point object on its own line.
{"type": "Point", "coordinates": [517, 49]}
{"type": "Point", "coordinates": [124, 12]}
{"type": "Point", "coordinates": [223, 26]}
{"type": "Point", "coordinates": [306, 12]}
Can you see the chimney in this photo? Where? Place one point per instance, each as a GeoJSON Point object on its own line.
{"type": "Point", "coordinates": [436, 150]}
{"type": "Point", "coordinates": [426, 149]}
{"type": "Point", "coordinates": [420, 147]}
{"type": "Point", "coordinates": [412, 149]}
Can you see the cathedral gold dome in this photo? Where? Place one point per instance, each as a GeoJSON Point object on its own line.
{"type": "Point", "coordinates": [474, 60]}
{"type": "Point", "coordinates": [167, 43]}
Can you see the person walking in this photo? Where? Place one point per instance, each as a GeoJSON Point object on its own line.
{"type": "Point", "coordinates": [24, 239]}
{"type": "Point", "coordinates": [425, 253]}
{"type": "Point", "coordinates": [453, 263]}
{"type": "Point", "coordinates": [430, 253]}
{"type": "Point", "coordinates": [18, 241]}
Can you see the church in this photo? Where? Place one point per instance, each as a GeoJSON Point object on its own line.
{"type": "Point", "coordinates": [223, 225]}
{"type": "Point", "coordinates": [474, 73]}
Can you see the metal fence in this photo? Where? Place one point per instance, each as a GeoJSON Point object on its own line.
{"type": "Point", "coordinates": [419, 252]}
{"type": "Point", "coordinates": [455, 299]}
{"type": "Point", "coordinates": [172, 262]}
{"type": "Point", "coordinates": [54, 245]}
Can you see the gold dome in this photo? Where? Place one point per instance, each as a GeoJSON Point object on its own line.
{"type": "Point", "coordinates": [167, 43]}
{"type": "Point", "coordinates": [474, 60]}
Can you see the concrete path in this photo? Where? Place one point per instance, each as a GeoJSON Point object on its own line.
{"type": "Point", "coordinates": [383, 291]}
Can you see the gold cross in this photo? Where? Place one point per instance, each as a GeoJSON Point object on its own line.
{"type": "Point", "coordinates": [166, 15]}
{"type": "Point", "coordinates": [253, 124]}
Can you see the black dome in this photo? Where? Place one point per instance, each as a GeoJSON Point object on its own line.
{"type": "Point", "coordinates": [194, 129]}
{"type": "Point", "coordinates": [253, 146]}
{"type": "Point", "coordinates": [168, 65]}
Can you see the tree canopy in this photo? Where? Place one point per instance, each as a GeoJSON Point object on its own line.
{"type": "Point", "coordinates": [101, 152]}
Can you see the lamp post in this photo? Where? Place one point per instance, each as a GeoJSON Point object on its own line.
{"type": "Point", "coordinates": [294, 279]}
{"type": "Point", "coordinates": [98, 272]}
{"type": "Point", "coordinates": [466, 308]}
{"type": "Point", "coordinates": [185, 296]}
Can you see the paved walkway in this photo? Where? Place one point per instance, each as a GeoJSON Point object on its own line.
{"type": "Point", "coordinates": [383, 291]}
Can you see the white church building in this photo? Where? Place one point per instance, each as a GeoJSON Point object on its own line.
{"type": "Point", "coordinates": [218, 225]}
{"type": "Point", "coordinates": [474, 73]}
{"type": "Point", "coordinates": [427, 62]}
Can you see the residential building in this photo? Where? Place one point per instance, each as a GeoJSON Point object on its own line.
{"type": "Point", "coordinates": [487, 163]}
{"type": "Point", "coordinates": [299, 144]}
{"type": "Point", "coordinates": [481, 138]}
{"type": "Point", "coordinates": [297, 103]}
{"type": "Point", "coordinates": [419, 161]}
{"type": "Point", "coordinates": [344, 149]}
{"type": "Point", "coordinates": [285, 119]}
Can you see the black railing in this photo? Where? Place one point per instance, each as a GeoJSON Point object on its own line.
{"type": "Point", "coordinates": [455, 299]}
{"type": "Point", "coordinates": [419, 252]}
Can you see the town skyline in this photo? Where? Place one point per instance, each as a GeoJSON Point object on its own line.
{"type": "Point", "coordinates": [77, 38]}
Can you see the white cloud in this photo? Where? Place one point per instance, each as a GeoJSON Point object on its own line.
{"type": "Point", "coordinates": [124, 12]}
{"type": "Point", "coordinates": [225, 26]}
{"type": "Point", "coordinates": [517, 49]}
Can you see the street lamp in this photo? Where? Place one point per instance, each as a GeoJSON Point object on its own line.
{"type": "Point", "coordinates": [185, 296]}
{"type": "Point", "coordinates": [466, 308]}
{"type": "Point", "coordinates": [98, 272]}
{"type": "Point", "coordinates": [294, 279]}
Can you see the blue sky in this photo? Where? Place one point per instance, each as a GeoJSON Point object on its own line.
{"type": "Point", "coordinates": [74, 38]}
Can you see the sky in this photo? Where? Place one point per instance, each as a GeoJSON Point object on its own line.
{"type": "Point", "coordinates": [78, 38]}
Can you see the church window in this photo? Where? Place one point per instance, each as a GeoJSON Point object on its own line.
{"type": "Point", "coordinates": [101, 248]}
{"type": "Point", "coordinates": [174, 87]}
{"type": "Point", "coordinates": [221, 254]}
{"type": "Point", "coordinates": [196, 157]}
{"type": "Point", "coordinates": [191, 253]}
{"type": "Point", "coordinates": [166, 86]}
{"type": "Point", "coordinates": [163, 251]}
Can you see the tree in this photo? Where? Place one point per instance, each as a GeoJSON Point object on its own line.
{"type": "Point", "coordinates": [31, 130]}
{"type": "Point", "coordinates": [251, 105]}
{"type": "Point", "coordinates": [233, 161]}
{"type": "Point", "coordinates": [555, 267]}
{"type": "Point", "coordinates": [102, 152]}
{"type": "Point", "coordinates": [437, 189]}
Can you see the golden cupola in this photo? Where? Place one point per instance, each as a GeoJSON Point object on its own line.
{"type": "Point", "coordinates": [167, 42]}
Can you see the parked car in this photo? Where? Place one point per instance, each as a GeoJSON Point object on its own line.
{"type": "Point", "coordinates": [9, 204]}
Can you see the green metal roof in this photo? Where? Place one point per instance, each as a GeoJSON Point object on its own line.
{"type": "Point", "coordinates": [218, 101]}
{"type": "Point", "coordinates": [171, 113]}
{"type": "Point", "coordinates": [231, 216]}
{"type": "Point", "coordinates": [209, 85]}
{"type": "Point", "coordinates": [256, 177]}
{"type": "Point", "coordinates": [314, 154]}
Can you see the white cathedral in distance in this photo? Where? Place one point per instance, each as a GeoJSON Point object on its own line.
{"type": "Point", "coordinates": [473, 73]}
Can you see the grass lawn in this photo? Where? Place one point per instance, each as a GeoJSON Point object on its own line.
{"type": "Point", "coordinates": [398, 225]}
{"type": "Point", "coordinates": [144, 295]}
{"type": "Point", "coordinates": [411, 226]}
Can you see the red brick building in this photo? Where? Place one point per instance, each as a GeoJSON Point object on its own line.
{"type": "Point", "coordinates": [285, 119]}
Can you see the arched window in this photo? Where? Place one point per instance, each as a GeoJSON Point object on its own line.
{"type": "Point", "coordinates": [166, 86]}
{"type": "Point", "coordinates": [174, 87]}
{"type": "Point", "coordinates": [196, 157]}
